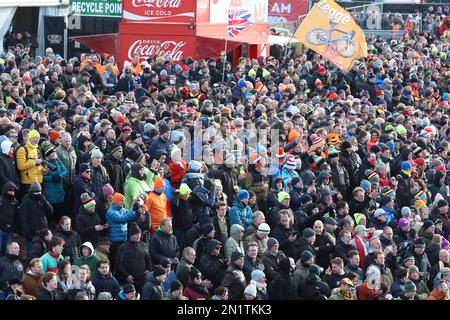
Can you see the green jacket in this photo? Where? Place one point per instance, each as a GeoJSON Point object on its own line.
{"type": "Point", "coordinates": [49, 263]}
{"type": "Point", "coordinates": [90, 260]}
{"type": "Point", "coordinates": [133, 187]}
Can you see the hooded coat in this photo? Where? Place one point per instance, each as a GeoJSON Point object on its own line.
{"type": "Point", "coordinates": [234, 242]}
{"type": "Point", "coordinates": [241, 214]}
{"type": "Point", "coordinates": [8, 170]}
{"type": "Point", "coordinates": [234, 280]}
{"type": "Point", "coordinates": [8, 208]}
{"type": "Point", "coordinates": [212, 267]}
{"type": "Point", "coordinates": [29, 171]}
{"type": "Point", "coordinates": [313, 288]}
{"type": "Point", "coordinates": [91, 260]}
{"type": "Point", "coordinates": [53, 189]}
{"type": "Point", "coordinates": [117, 219]}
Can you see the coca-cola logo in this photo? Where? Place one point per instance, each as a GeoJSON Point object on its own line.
{"type": "Point", "coordinates": [149, 48]}
{"type": "Point", "coordinates": [157, 3]}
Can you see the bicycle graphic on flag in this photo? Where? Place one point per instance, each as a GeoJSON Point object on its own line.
{"type": "Point", "coordinates": [344, 45]}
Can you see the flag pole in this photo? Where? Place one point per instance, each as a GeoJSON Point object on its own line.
{"type": "Point", "coordinates": [226, 44]}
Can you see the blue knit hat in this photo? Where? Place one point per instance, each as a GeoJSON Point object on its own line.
{"type": "Point", "coordinates": [406, 165]}
{"type": "Point", "coordinates": [243, 194]}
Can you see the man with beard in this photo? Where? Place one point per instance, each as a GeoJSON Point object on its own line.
{"type": "Point", "coordinates": [344, 246]}
{"type": "Point", "coordinates": [126, 83]}
{"type": "Point", "coordinates": [234, 278]}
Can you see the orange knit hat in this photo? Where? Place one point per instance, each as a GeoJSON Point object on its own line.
{"type": "Point", "coordinates": [159, 182]}
{"type": "Point", "coordinates": [117, 197]}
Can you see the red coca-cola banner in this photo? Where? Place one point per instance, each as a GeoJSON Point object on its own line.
{"type": "Point", "coordinates": [282, 11]}
{"type": "Point", "coordinates": [146, 46]}
{"type": "Point", "coordinates": [181, 11]}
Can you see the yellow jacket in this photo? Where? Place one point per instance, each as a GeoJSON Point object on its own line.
{"type": "Point", "coordinates": [29, 171]}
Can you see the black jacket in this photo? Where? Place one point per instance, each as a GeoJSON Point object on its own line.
{"type": "Point", "coordinates": [313, 288]}
{"type": "Point", "coordinates": [80, 186]}
{"type": "Point", "coordinates": [105, 284]}
{"type": "Point", "coordinates": [271, 264]}
{"type": "Point", "coordinates": [85, 225]}
{"type": "Point", "coordinates": [281, 233]}
{"type": "Point", "coordinates": [115, 171]}
{"type": "Point", "coordinates": [251, 265]}
{"type": "Point", "coordinates": [234, 280]}
{"type": "Point", "coordinates": [341, 250]}
{"type": "Point", "coordinates": [72, 242]}
{"type": "Point", "coordinates": [282, 288]}
{"type": "Point", "coordinates": [326, 248]}
{"type": "Point", "coordinates": [10, 267]}
{"type": "Point", "coordinates": [301, 244]}
{"type": "Point", "coordinates": [152, 290]}
{"type": "Point", "coordinates": [8, 209]}
{"type": "Point", "coordinates": [229, 179]}
{"type": "Point", "coordinates": [133, 259]}
{"type": "Point", "coordinates": [182, 214]}
{"type": "Point", "coordinates": [38, 248]}
{"type": "Point", "coordinates": [33, 214]}
{"type": "Point", "coordinates": [404, 195]}
{"type": "Point", "coordinates": [44, 294]}
{"type": "Point", "coordinates": [212, 268]}
{"type": "Point", "coordinates": [163, 245]}
{"type": "Point", "coordinates": [8, 170]}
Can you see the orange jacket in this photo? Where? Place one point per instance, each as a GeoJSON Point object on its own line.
{"type": "Point", "coordinates": [437, 295]}
{"type": "Point", "coordinates": [157, 206]}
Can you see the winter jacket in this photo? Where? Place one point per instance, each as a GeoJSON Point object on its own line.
{"type": "Point", "coordinates": [193, 179]}
{"type": "Point", "coordinates": [85, 225]}
{"type": "Point", "coordinates": [397, 288]}
{"type": "Point", "coordinates": [300, 245]}
{"type": "Point", "coordinates": [241, 214]}
{"type": "Point", "coordinates": [195, 292]}
{"type": "Point", "coordinates": [287, 176]}
{"type": "Point", "coordinates": [8, 169]}
{"type": "Point", "coordinates": [86, 287]}
{"type": "Point", "coordinates": [181, 214]}
{"type": "Point", "coordinates": [114, 167]}
{"type": "Point", "coordinates": [105, 284]}
{"type": "Point", "coordinates": [261, 242]}
{"type": "Point", "coordinates": [157, 206]}
{"type": "Point", "coordinates": [117, 219]}
{"type": "Point", "coordinates": [313, 288]}
{"type": "Point", "coordinates": [38, 248]}
{"type": "Point", "coordinates": [133, 259]}
{"type": "Point", "coordinates": [45, 294]}
{"type": "Point", "coordinates": [234, 242]}
{"type": "Point", "coordinates": [437, 295]}
{"type": "Point", "coordinates": [80, 186]}
{"type": "Point", "coordinates": [29, 171]}
{"type": "Point", "coordinates": [212, 268]}
{"type": "Point", "coordinates": [69, 159]}
{"type": "Point", "coordinates": [99, 177]}
{"type": "Point", "coordinates": [32, 283]}
{"type": "Point", "coordinates": [341, 250]}
{"type": "Point", "coordinates": [326, 248]}
{"type": "Point", "coordinates": [33, 214]}
{"type": "Point", "coordinates": [436, 187]}
{"type": "Point", "coordinates": [229, 178]}
{"type": "Point", "coordinates": [234, 280]}
{"type": "Point", "coordinates": [282, 287]}
{"type": "Point", "coordinates": [444, 218]}
{"type": "Point", "coordinates": [50, 261]}
{"type": "Point", "coordinates": [53, 182]}
{"type": "Point", "coordinates": [404, 195]}
{"type": "Point", "coordinates": [8, 208]}
{"type": "Point", "coordinates": [163, 245]}
{"type": "Point", "coordinates": [91, 260]}
{"type": "Point", "coordinates": [72, 241]}
{"type": "Point", "coordinates": [152, 290]}
{"type": "Point", "coordinates": [250, 265]}
{"type": "Point", "coordinates": [271, 264]}
{"type": "Point", "coordinates": [10, 267]}
{"type": "Point", "coordinates": [183, 271]}
{"type": "Point", "coordinates": [160, 144]}
{"type": "Point", "coordinates": [202, 201]}
{"type": "Point", "coordinates": [134, 186]}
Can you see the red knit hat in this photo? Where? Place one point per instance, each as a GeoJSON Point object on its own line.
{"type": "Point", "coordinates": [117, 197]}
{"type": "Point", "coordinates": [121, 120]}
{"type": "Point", "coordinates": [318, 83]}
{"type": "Point", "coordinates": [54, 135]}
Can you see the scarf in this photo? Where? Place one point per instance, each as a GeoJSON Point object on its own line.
{"type": "Point", "coordinates": [346, 296]}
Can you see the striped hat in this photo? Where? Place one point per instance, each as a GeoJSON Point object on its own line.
{"type": "Point", "coordinates": [318, 160]}
{"type": "Point", "coordinates": [421, 195]}
{"type": "Point", "coordinates": [257, 160]}
{"type": "Point", "coordinates": [373, 177]}
{"type": "Point", "coordinates": [365, 184]}
{"type": "Point", "coordinates": [290, 163]}
{"type": "Point", "coordinates": [280, 155]}
{"type": "Point", "coordinates": [317, 142]}
{"type": "Point", "coordinates": [87, 200]}
{"type": "Point", "coordinates": [389, 193]}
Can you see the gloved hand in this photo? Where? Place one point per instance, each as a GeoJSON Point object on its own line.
{"type": "Point", "coordinates": [56, 178]}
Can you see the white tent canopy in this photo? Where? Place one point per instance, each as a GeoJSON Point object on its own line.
{"type": "Point", "coordinates": [273, 39]}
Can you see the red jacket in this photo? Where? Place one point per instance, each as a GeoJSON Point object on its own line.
{"type": "Point", "coordinates": [177, 171]}
{"type": "Point", "coordinates": [364, 293]}
{"type": "Point", "coordinates": [191, 294]}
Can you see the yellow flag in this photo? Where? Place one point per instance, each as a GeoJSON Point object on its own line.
{"type": "Point", "coordinates": [330, 30]}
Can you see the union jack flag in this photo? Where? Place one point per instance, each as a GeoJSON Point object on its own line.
{"type": "Point", "coordinates": [237, 21]}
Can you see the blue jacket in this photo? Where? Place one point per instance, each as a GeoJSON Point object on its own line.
{"type": "Point", "coordinates": [160, 144]}
{"type": "Point", "coordinates": [54, 191]}
{"type": "Point", "coordinates": [287, 176]}
{"type": "Point", "coordinates": [117, 220]}
{"type": "Point", "coordinates": [241, 215]}
{"type": "Point", "coordinates": [202, 202]}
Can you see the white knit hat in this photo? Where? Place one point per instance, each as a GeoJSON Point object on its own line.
{"type": "Point", "coordinates": [96, 153]}
{"type": "Point", "coordinates": [250, 290]}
